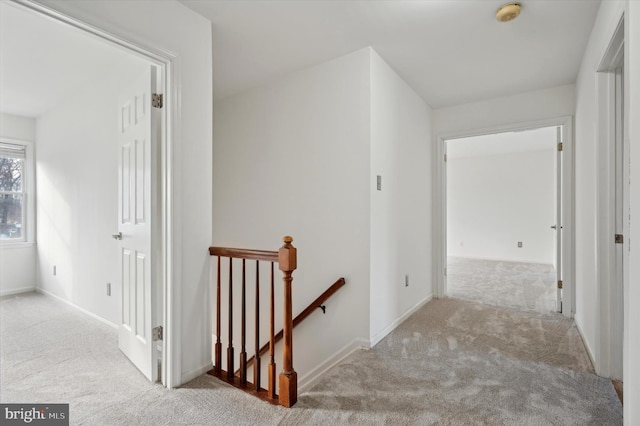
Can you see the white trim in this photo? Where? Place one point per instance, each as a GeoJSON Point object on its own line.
{"type": "Point", "coordinates": [17, 291]}
{"type": "Point", "coordinates": [17, 245]}
{"type": "Point", "coordinates": [440, 200]}
{"type": "Point", "coordinates": [388, 329]}
{"type": "Point", "coordinates": [84, 311]}
{"type": "Point", "coordinates": [610, 301]}
{"type": "Point", "coordinates": [312, 377]}
{"type": "Point", "coordinates": [169, 64]}
{"type": "Point", "coordinates": [590, 352]}
{"type": "Point", "coordinates": [494, 259]}
{"type": "Point", "coordinates": [190, 375]}
{"type": "Point", "coordinates": [28, 191]}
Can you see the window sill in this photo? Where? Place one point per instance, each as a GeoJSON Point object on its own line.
{"type": "Point", "coordinates": [10, 245]}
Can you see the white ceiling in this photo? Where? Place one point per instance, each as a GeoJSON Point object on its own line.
{"type": "Point", "coordinates": [542, 139]}
{"type": "Point", "coordinates": [43, 62]}
{"type": "Point", "coordinates": [449, 51]}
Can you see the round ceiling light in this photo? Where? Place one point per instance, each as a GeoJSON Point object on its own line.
{"type": "Point", "coordinates": [508, 12]}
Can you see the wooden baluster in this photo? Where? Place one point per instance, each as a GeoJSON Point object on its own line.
{"type": "Point", "coordinates": [243, 331]}
{"type": "Point", "coordinates": [288, 381]}
{"type": "Point", "coordinates": [230, 346]}
{"type": "Point", "coordinates": [256, 360]}
{"type": "Point", "coordinates": [272, 363]}
{"type": "Point", "coordinates": [218, 346]}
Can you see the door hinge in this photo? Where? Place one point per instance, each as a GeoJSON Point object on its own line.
{"type": "Point", "coordinates": [619, 239]}
{"type": "Point", "coordinates": [559, 283]}
{"type": "Point", "coordinates": [560, 146]}
{"type": "Point", "coordinates": [157, 100]}
{"type": "Point", "coordinates": [445, 158]}
{"type": "Point", "coordinates": [158, 333]}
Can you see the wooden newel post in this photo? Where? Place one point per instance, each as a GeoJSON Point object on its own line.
{"type": "Point", "coordinates": [288, 381]}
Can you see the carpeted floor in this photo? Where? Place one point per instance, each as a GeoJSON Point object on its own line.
{"type": "Point", "coordinates": [524, 286]}
{"type": "Point", "coordinates": [453, 362]}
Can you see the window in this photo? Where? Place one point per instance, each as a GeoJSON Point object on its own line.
{"type": "Point", "coordinates": [13, 191]}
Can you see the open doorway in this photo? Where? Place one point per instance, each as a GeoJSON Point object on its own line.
{"type": "Point", "coordinates": [66, 82]}
{"type": "Point", "coordinates": [504, 218]}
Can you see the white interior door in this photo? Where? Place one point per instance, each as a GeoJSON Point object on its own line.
{"type": "Point", "coordinates": [137, 147]}
{"type": "Point", "coordinates": [558, 225]}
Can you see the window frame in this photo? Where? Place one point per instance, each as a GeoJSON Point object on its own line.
{"type": "Point", "coordinates": [28, 195]}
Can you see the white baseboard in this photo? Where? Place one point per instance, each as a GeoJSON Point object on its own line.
{"type": "Point", "coordinates": [17, 291]}
{"type": "Point", "coordinates": [388, 329]}
{"type": "Point", "coordinates": [190, 375]}
{"type": "Point", "coordinates": [308, 380]}
{"type": "Point", "coordinates": [84, 311]}
{"type": "Point", "coordinates": [586, 345]}
{"type": "Point", "coordinates": [495, 259]}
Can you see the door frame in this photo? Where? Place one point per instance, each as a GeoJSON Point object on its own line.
{"type": "Point", "coordinates": [568, 215]}
{"type": "Point", "coordinates": [610, 299]}
{"type": "Point", "coordinates": [165, 233]}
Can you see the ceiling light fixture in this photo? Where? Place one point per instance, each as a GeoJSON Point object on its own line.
{"type": "Point", "coordinates": [508, 12]}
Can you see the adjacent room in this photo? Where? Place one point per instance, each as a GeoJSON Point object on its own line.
{"type": "Point", "coordinates": [59, 128]}
{"type": "Point", "coordinates": [502, 205]}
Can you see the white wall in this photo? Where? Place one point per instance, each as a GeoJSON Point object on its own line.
{"type": "Point", "coordinates": [173, 28]}
{"type": "Point", "coordinates": [17, 127]}
{"type": "Point", "coordinates": [300, 157]}
{"type": "Point", "coordinates": [495, 201]}
{"type": "Point", "coordinates": [632, 290]}
{"type": "Point", "coordinates": [77, 191]}
{"type": "Point", "coordinates": [586, 148]}
{"type": "Point", "coordinates": [292, 158]}
{"type": "Point", "coordinates": [524, 107]}
{"type": "Point", "coordinates": [17, 260]}
{"type": "Point", "coordinates": [401, 211]}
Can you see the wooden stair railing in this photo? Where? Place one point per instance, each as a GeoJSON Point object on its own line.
{"type": "Point", "coordinates": [318, 303]}
{"type": "Point", "coordinates": [286, 257]}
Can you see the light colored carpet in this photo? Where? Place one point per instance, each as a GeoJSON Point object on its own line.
{"type": "Point", "coordinates": [452, 363]}
{"type": "Point", "coordinates": [525, 286]}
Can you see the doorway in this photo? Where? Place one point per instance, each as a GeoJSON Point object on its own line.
{"type": "Point", "coordinates": [565, 192]}
{"type": "Point", "coordinates": [503, 206]}
{"type": "Point", "coordinates": [67, 225]}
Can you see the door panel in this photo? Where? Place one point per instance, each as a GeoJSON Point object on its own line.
{"type": "Point", "coordinates": [135, 188]}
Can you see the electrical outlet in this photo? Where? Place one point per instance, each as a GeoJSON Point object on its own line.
{"type": "Point", "coordinates": [519, 244]}
{"type": "Point", "coordinates": [55, 270]}
{"type": "Point", "coordinates": [406, 280]}
{"type": "Point", "coordinates": [108, 289]}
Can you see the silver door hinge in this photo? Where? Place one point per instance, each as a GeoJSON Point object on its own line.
{"type": "Point", "coordinates": [560, 146]}
{"type": "Point", "coordinates": [157, 333]}
{"type": "Point", "coordinates": [157, 100]}
{"type": "Point", "coordinates": [559, 283]}
{"type": "Point", "coordinates": [619, 239]}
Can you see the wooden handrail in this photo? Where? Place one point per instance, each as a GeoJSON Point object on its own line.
{"type": "Point", "coordinates": [301, 317]}
{"type": "Point", "coordinates": [268, 256]}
